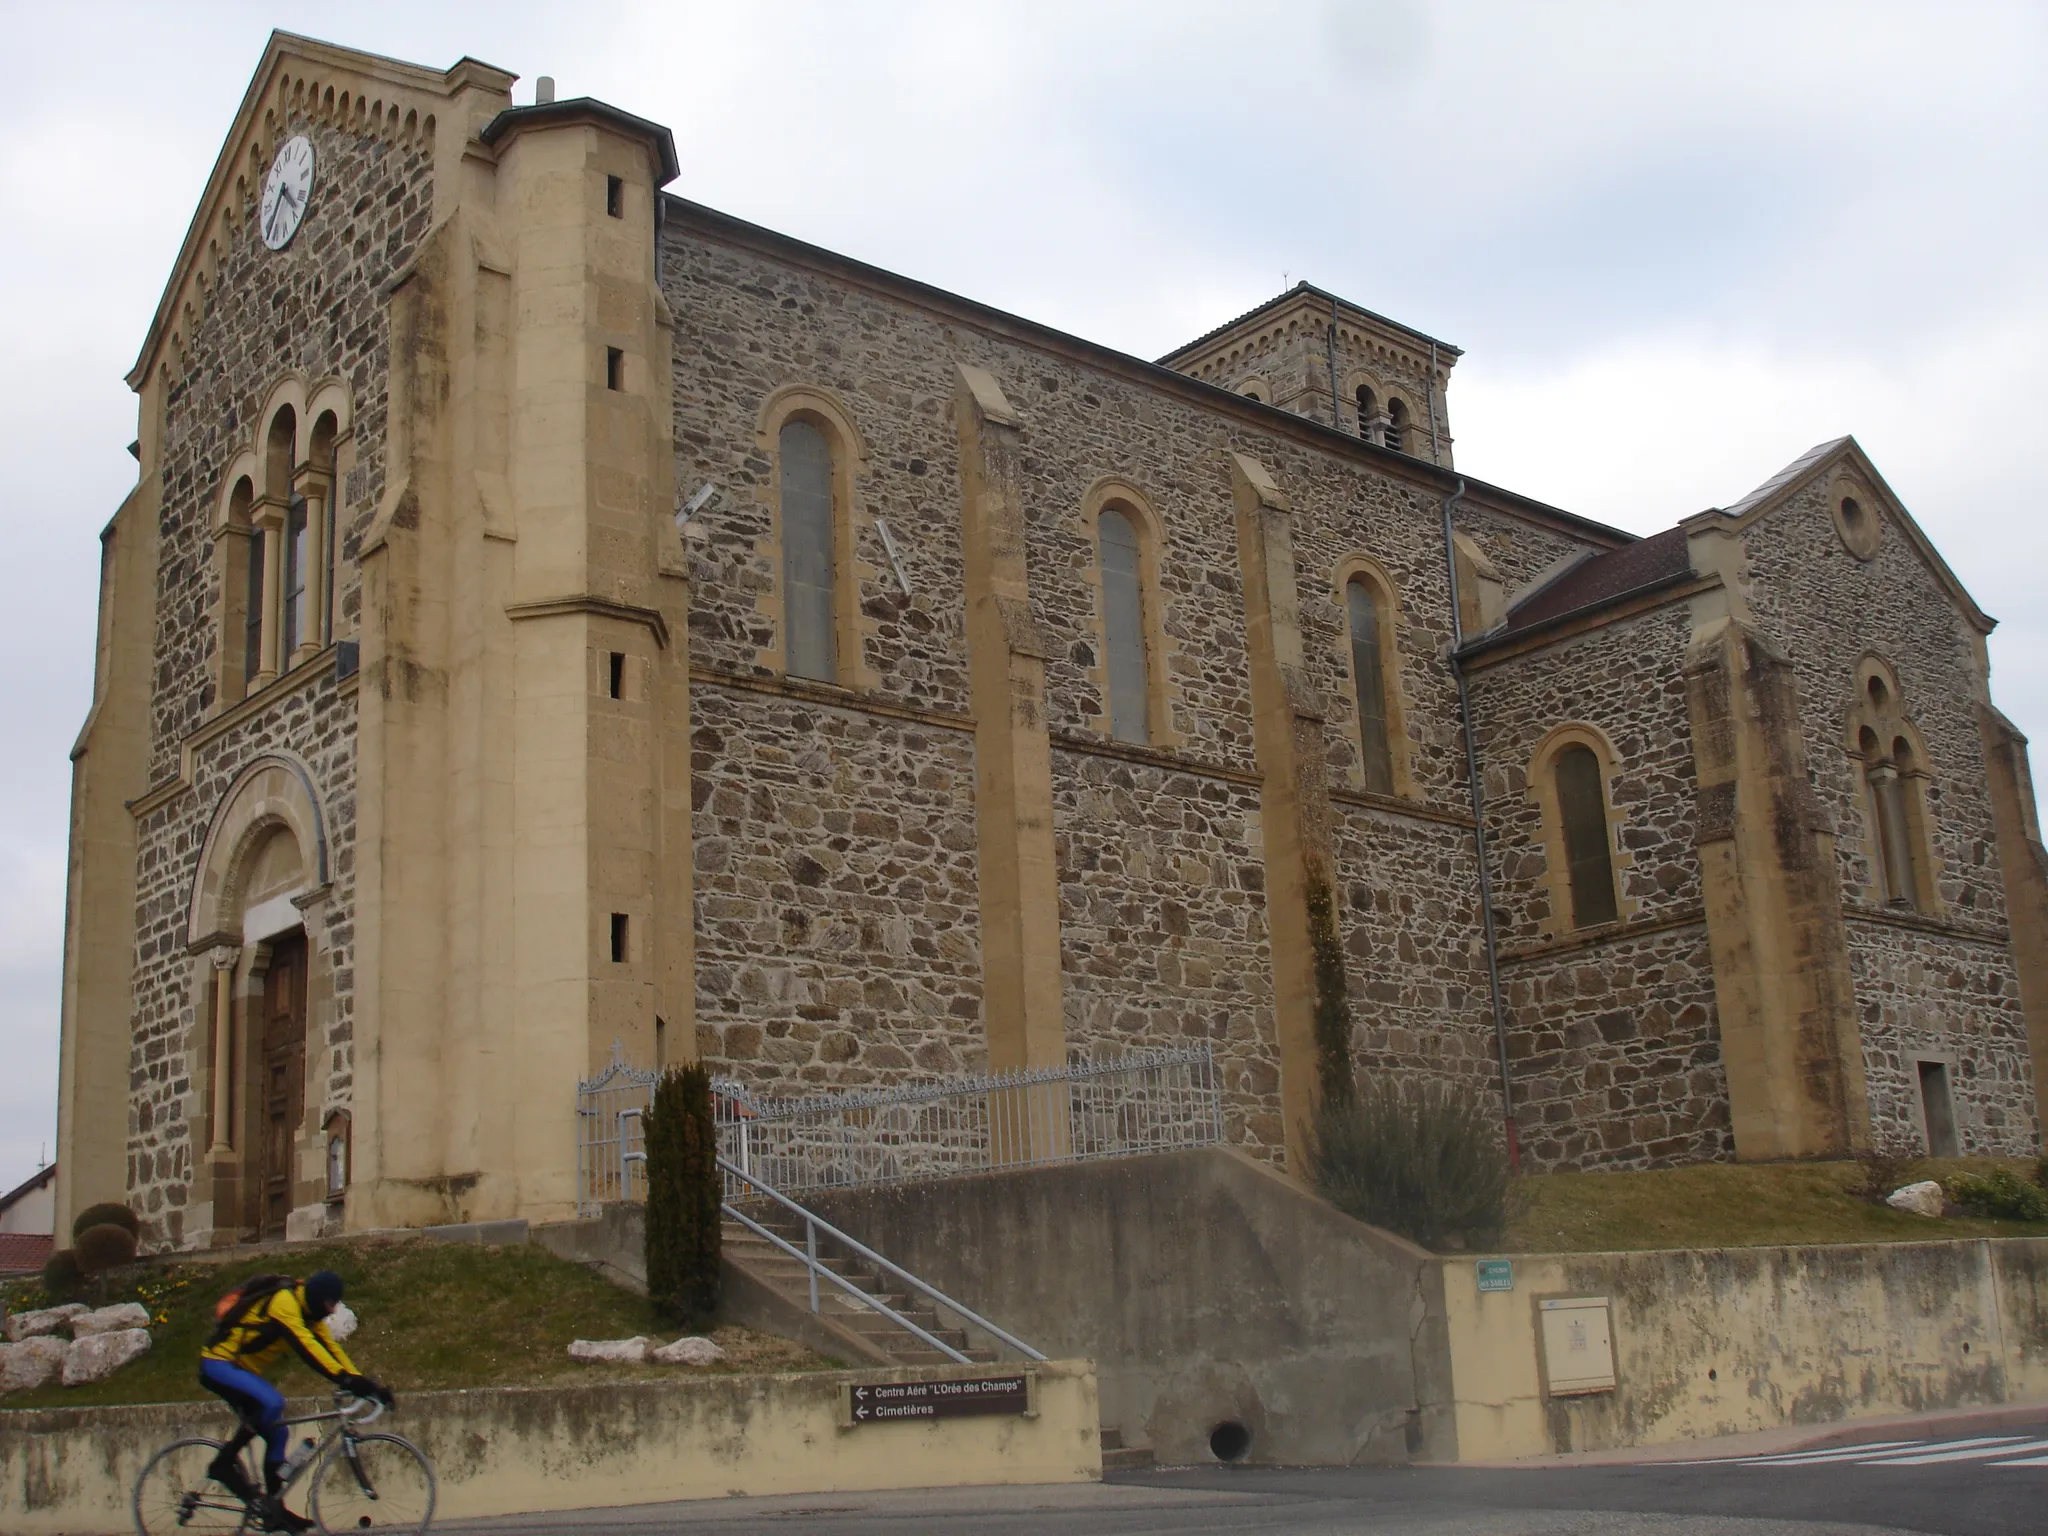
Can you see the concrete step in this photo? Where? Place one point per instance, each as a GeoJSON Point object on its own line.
{"type": "Point", "coordinates": [1118, 1457]}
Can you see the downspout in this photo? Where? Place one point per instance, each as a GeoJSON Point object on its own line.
{"type": "Point", "coordinates": [1435, 453]}
{"type": "Point", "coordinates": [1336, 410]}
{"type": "Point", "coordinates": [1500, 1018]}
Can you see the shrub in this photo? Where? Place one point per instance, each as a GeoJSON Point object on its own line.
{"type": "Point", "coordinates": [683, 1197]}
{"type": "Point", "coordinates": [1887, 1165]}
{"type": "Point", "coordinates": [104, 1247]}
{"type": "Point", "coordinates": [63, 1276]}
{"type": "Point", "coordinates": [107, 1213]}
{"type": "Point", "coordinates": [2041, 1173]}
{"type": "Point", "coordinates": [2000, 1193]}
{"type": "Point", "coordinates": [1427, 1163]}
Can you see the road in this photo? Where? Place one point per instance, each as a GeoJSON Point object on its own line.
{"type": "Point", "coordinates": [1964, 1485]}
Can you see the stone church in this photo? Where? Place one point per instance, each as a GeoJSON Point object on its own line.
{"type": "Point", "coordinates": [552, 612]}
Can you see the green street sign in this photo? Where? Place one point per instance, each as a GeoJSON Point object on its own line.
{"type": "Point", "coordinates": [1496, 1274]}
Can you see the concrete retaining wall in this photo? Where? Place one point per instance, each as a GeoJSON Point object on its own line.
{"type": "Point", "coordinates": [1721, 1341]}
{"type": "Point", "coordinates": [502, 1451]}
{"type": "Point", "coordinates": [1206, 1288]}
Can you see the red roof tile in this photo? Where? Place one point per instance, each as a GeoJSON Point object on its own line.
{"type": "Point", "coordinates": [22, 1253]}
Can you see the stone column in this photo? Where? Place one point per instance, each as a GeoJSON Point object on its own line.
{"type": "Point", "coordinates": [224, 961]}
{"type": "Point", "coordinates": [1019, 874]}
{"type": "Point", "coordinates": [1311, 1013]}
{"type": "Point", "coordinates": [318, 494]}
{"type": "Point", "coordinates": [270, 528]}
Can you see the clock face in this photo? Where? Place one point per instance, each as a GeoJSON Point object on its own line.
{"type": "Point", "coordinates": [286, 191]}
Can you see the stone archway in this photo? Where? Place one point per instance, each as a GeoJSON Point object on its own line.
{"type": "Point", "coordinates": [260, 876]}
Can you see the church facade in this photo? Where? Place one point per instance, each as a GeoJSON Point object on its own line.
{"type": "Point", "coordinates": [553, 613]}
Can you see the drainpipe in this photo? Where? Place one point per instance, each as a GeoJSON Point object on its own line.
{"type": "Point", "coordinates": [1336, 411]}
{"type": "Point", "coordinates": [1500, 1018]}
{"type": "Point", "coordinates": [1436, 456]}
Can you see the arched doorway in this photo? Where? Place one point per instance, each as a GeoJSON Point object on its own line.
{"type": "Point", "coordinates": [260, 880]}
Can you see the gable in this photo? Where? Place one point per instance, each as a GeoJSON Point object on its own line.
{"type": "Point", "coordinates": [383, 98]}
{"type": "Point", "coordinates": [1845, 470]}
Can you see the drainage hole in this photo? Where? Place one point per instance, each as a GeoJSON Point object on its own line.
{"type": "Point", "coordinates": [1712, 1374]}
{"type": "Point", "coordinates": [1229, 1441]}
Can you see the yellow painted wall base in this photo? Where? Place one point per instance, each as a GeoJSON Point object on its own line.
{"type": "Point", "coordinates": [1724, 1341]}
{"type": "Point", "coordinates": [512, 1450]}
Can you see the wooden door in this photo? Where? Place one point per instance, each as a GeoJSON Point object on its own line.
{"type": "Point", "coordinates": [283, 1096]}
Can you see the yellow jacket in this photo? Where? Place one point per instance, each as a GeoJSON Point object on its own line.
{"type": "Point", "coordinates": [274, 1324]}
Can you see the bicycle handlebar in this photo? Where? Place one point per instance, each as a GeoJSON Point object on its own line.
{"type": "Point", "coordinates": [364, 1410]}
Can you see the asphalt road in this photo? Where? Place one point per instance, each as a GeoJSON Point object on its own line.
{"type": "Point", "coordinates": [1975, 1485]}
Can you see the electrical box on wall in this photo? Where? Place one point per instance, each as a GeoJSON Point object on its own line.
{"type": "Point", "coordinates": [1578, 1345]}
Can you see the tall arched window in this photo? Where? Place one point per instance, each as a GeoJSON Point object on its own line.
{"type": "Point", "coordinates": [1901, 849]}
{"type": "Point", "coordinates": [297, 575]}
{"type": "Point", "coordinates": [1369, 680]}
{"type": "Point", "coordinates": [240, 502]}
{"type": "Point", "coordinates": [1582, 811]}
{"type": "Point", "coordinates": [807, 534]}
{"type": "Point", "coordinates": [1367, 409]}
{"type": "Point", "coordinates": [1123, 627]}
{"type": "Point", "coordinates": [1888, 804]}
{"type": "Point", "coordinates": [1397, 426]}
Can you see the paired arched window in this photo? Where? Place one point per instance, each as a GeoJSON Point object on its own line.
{"type": "Point", "coordinates": [808, 566]}
{"type": "Point", "coordinates": [1894, 775]}
{"type": "Point", "coordinates": [1582, 823]}
{"type": "Point", "coordinates": [1368, 408]}
{"type": "Point", "coordinates": [1127, 661]}
{"type": "Point", "coordinates": [1369, 683]}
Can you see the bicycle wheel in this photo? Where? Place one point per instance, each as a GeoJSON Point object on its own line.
{"type": "Point", "coordinates": [373, 1483]}
{"type": "Point", "coordinates": [176, 1493]}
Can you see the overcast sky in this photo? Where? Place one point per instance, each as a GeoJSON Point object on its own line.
{"type": "Point", "coordinates": [1679, 243]}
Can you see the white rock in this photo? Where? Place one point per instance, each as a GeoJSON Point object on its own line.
{"type": "Point", "coordinates": [114, 1319]}
{"type": "Point", "coordinates": [1922, 1199]}
{"type": "Point", "coordinates": [634, 1349]}
{"type": "Point", "coordinates": [691, 1351]}
{"type": "Point", "coordinates": [32, 1325]}
{"type": "Point", "coordinates": [97, 1356]}
{"type": "Point", "coordinates": [32, 1363]}
{"type": "Point", "coordinates": [341, 1322]}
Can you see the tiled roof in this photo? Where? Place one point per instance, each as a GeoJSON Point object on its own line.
{"type": "Point", "coordinates": [22, 1253]}
{"type": "Point", "coordinates": [1306, 287]}
{"type": "Point", "coordinates": [1650, 562]}
{"type": "Point", "coordinates": [1784, 477]}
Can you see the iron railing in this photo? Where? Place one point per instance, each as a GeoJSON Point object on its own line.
{"type": "Point", "coordinates": [816, 1226]}
{"type": "Point", "coordinates": [1156, 1100]}
{"type": "Point", "coordinates": [611, 1160]}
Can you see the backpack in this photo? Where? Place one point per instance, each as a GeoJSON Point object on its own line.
{"type": "Point", "coordinates": [235, 1305]}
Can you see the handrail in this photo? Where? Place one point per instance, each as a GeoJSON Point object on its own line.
{"type": "Point", "coordinates": [811, 1263]}
{"type": "Point", "coordinates": [895, 1271]}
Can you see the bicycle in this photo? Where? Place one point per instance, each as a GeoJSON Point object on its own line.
{"type": "Point", "coordinates": [360, 1482]}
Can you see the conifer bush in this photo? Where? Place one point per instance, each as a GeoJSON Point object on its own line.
{"type": "Point", "coordinates": [104, 1247]}
{"type": "Point", "coordinates": [1426, 1162]}
{"type": "Point", "coordinates": [107, 1213]}
{"type": "Point", "coordinates": [63, 1278]}
{"type": "Point", "coordinates": [684, 1193]}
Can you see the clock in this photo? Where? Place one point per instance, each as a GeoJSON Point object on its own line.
{"type": "Point", "coordinates": [286, 191]}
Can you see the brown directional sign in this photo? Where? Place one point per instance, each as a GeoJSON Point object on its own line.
{"type": "Point", "coordinates": [883, 1402]}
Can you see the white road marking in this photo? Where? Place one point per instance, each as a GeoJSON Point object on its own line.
{"type": "Point", "coordinates": [1836, 1453]}
{"type": "Point", "coordinates": [1980, 1453]}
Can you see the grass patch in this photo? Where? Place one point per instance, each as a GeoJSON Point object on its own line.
{"type": "Point", "coordinates": [432, 1315]}
{"type": "Point", "coordinates": [1736, 1205]}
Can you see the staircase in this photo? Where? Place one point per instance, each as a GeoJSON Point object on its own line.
{"type": "Point", "coordinates": [883, 1341]}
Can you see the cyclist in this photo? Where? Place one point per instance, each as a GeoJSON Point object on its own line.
{"type": "Point", "coordinates": [273, 1315]}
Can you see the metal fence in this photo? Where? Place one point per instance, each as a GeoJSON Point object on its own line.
{"type": "Point", "coordinates": [611, 1160]}
{"type": "Point", "coordinates": [1148, 1101]}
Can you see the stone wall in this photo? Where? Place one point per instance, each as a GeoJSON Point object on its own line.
{"type": "Point", "coordinates": [837, 920]}
{"type": "Point", "coordinates": [318, 308]}
{"type": "Point", "coordinates": [1614, 1045]}
{"type": "Point", "coordinates": [1938, 983]}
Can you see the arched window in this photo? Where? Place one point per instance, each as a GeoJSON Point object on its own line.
{"type": "Point", "coordinates": [297, 560]}
{"type": "Point", "coordinates": [1582, 813]}
{"type": "Point", "coordinates": [1397, 426]}
{"type": "Point", "coordinates": [1368, 679]}
{"type": "Point", "coordinates": [1123, 627]}
{"type": "Point", "coordinates": [1900, 846]}
{"type": "Point", "coordinates": [247, 542]}
{"type": "Point", "coordinates": [1368, 408]}
{"type": "Point", "coordinates": [811, 645]}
